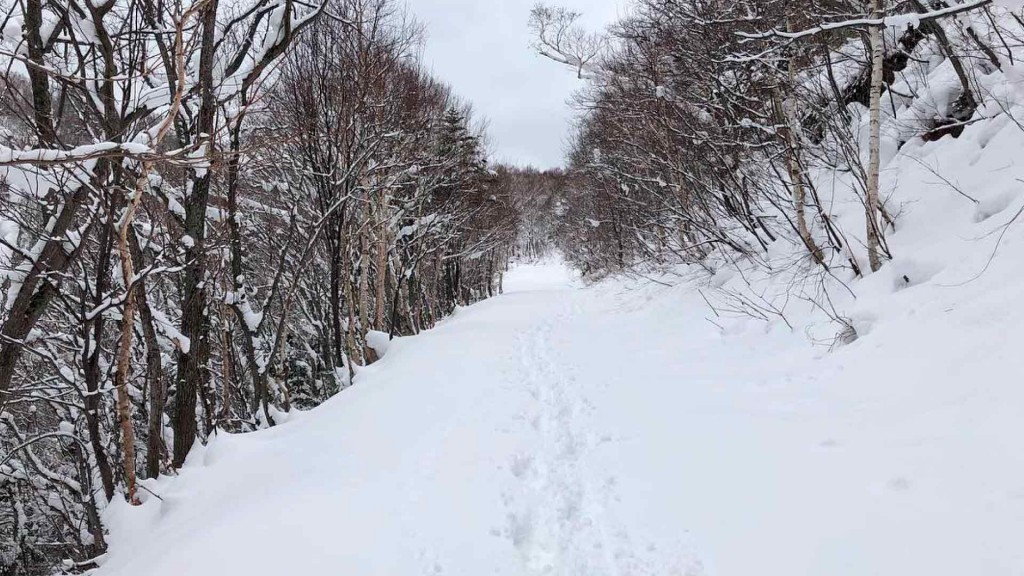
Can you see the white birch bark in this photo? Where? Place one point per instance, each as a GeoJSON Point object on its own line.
{"type": "Point", "coordinates": [871, 202]}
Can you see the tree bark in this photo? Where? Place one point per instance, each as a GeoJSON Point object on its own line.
{"type": "Point", "coordinates": [42, 101]}
{"type": "Point", "coordinates": [871, 200]}
{"type": "Point", "coordinates": [155, 448]}
{"type": "Point", "coordinates": [193, 370]}
{"type": "Point", "coordinates": [91, 364]}
{"type": "Point", "coordinates": [124, 356]}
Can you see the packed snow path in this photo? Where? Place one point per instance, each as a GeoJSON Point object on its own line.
{"type": "Point", "coordinates": [566, 431]}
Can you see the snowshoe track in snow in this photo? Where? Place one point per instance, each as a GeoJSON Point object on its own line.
{"type": "Point", "coordinates": [558, 518]}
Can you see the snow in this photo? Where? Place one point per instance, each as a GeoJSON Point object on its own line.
{"type": "Point", "coordinates": [901, 21]}
{"type": "Point", "coordinates": [569, 430]}
{"type": "Point", "coordinates": [78, 153]}
{"type": "Point", "coordinates": [12, 31]}
{"type": "Point", "coordinates": [417, 225]}
{"type": "Point", "coordinates": [549, 275]}
{"type": "Point", "coordinates": [379, 341]}
{"type": "Point", "coordinates": [169, 330]}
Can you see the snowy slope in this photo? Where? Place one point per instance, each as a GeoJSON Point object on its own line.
{"type": "Point", "coordinates": [586, 431]}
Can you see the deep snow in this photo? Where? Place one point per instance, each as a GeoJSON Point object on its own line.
{"type": "Point", "coordinates": [565, 430]}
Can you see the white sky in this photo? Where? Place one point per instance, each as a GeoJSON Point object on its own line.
{"type": "Point", "coordinates": [482, 49]}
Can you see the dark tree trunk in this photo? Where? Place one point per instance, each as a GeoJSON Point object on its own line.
{"type": "Point", "coordinates": [91, 364]}
{"type": "Point", "coordinates": [37, 289]}
{"type": "Point", "coordinates": [193, 370]}
{"type": "Point", "coordinates": [42, 100]}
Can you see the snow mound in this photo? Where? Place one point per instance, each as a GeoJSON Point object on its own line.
{"type": "Point", "coordinates": [379, 341]}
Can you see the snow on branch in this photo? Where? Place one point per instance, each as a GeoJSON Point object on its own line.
{"type": "Point", "coordinates": [897, 21]}
{"type": "Point", "coordinates": [85, 153]}
{"type": "Point", "coordinates": [559, 38]}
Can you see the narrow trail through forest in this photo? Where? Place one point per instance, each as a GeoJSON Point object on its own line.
{"type": "Point", "coordinates": [514, 288]}
{"type": "Point", "coordinates": [557, 517]}
{"type": "Point", "coordinates": [561, 430]}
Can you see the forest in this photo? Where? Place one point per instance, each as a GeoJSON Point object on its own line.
{"type": "Point", "coordinates": [206, 209]}
{"type": "Point", "coordinates": [214, 214]}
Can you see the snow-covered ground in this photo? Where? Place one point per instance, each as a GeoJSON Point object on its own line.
{"type": "Point", "coordinates": [569, 430]}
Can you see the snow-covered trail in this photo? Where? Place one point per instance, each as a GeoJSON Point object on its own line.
{"type": "Point", "coordinates": [566, 431]}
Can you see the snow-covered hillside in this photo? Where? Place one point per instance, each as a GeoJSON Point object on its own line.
{"type": "Point", "coordinates": [568, 430]}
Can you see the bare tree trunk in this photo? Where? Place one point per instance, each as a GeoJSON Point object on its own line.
{"type": "Point", "coordinates": [403, 295]}
{"type": "Point", "coordinates": [91, 363]}
{"type": "Point", "coordinates": [796, 179]}
{"type": "Point", "coordinates": [364, 296]}
{"type": "Point", "coordinates": [36, 291]}
{"type": "Point", "coordinates": [88, 499]}
{"type": "Point", "coordinates": [155, 449]}
{"type": "Point", "coordinates": [124, 356]}
{"type": "Point", "coordinates": [227, 365]}
{"type": "Point", "coordinates": [192, 364]}
{"type": "Point", "coordinates": [338, 334]}
{"type": "Point", "coordinates": [42, 102]}
{"type": "Point", "coordinates": [792, 158]}
{"type": "Point", "coordinates": [871, 200]}
{"type": "Point", "coordinates": [380, 281]}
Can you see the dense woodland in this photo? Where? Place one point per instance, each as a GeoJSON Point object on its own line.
{"type": "Point", "coordinates": [211, 209]}
{"type": "Point", "coordinates": [206, 209]}
{"type": "Point", "coordinates": [703, 123]}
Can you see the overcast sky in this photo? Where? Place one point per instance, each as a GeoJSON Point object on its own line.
{"type": "Point", "coordinates": [482, 49]}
